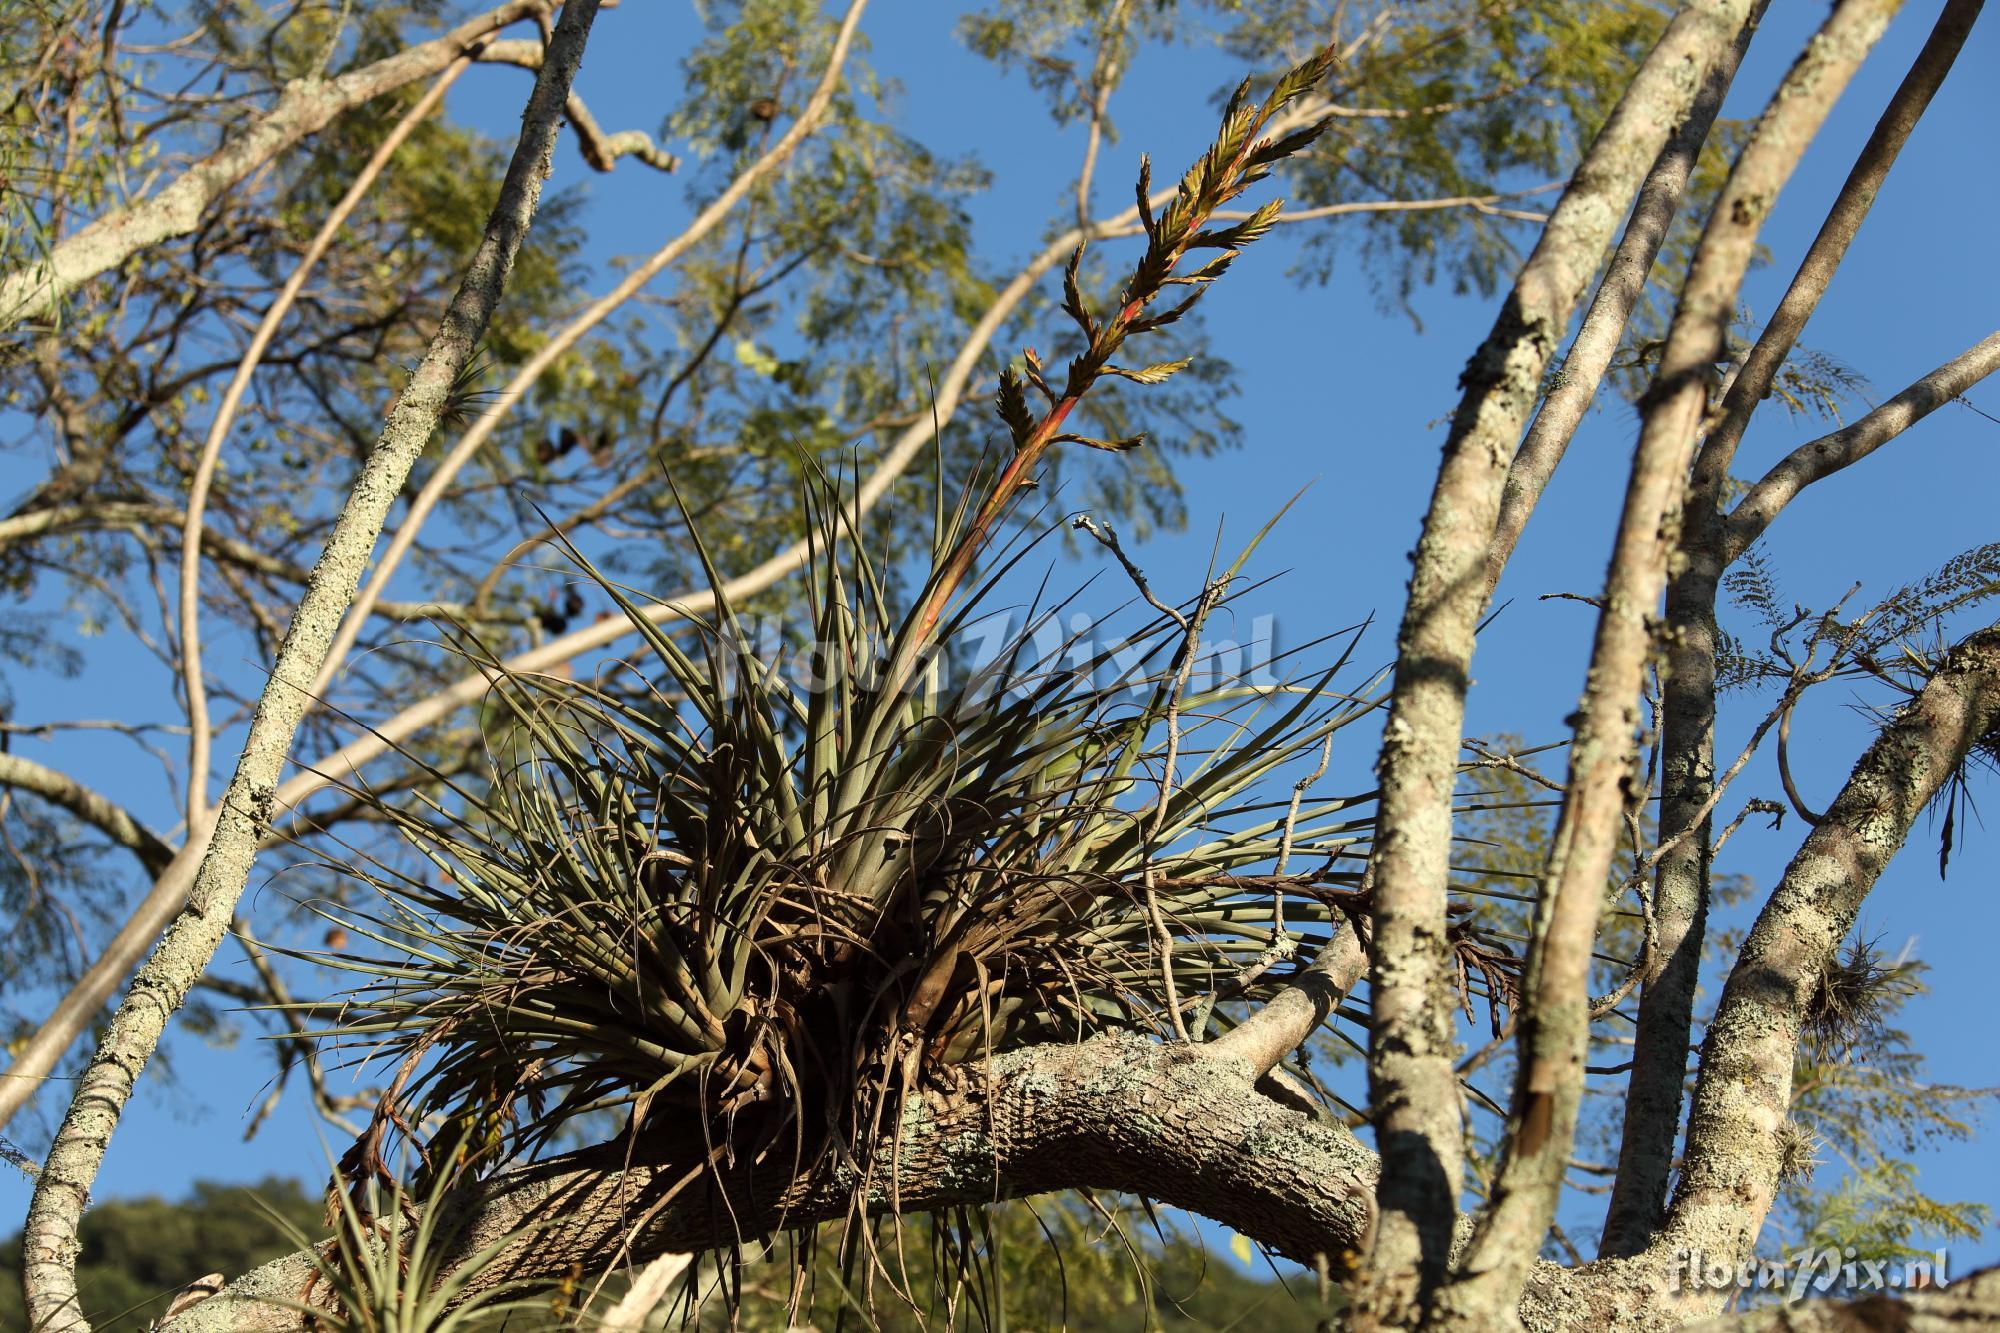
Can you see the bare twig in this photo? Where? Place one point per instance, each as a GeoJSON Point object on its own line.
{"type": "Point", "coordinates": [600, 149]}
{"type": "Point", "coordinates": [481, 430]}
{"type": "Point", "coordinates": [1190, 626]}
{"type": "Point", "coordinates": [193, 685]}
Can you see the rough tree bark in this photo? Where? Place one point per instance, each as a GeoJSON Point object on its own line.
{"type": "Point", "coordinates": [1413, 1085]}
{"type": "Point", "coordinates": [1729, 1173]}
{"type": "Point", "coordinates": [1687, 783]}
{"type": "Point", "coordinates": [1618, 293]}
{"type": "Point", "coordinates": [1554, 1028]}
{"type": "Point", "coordinates": [1178, 1123]}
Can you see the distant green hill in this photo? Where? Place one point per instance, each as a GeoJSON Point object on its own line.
{"type": "Point", "coordinates": [137, 1253]}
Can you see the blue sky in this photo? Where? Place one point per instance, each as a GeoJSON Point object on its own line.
{"type": "Point", "coordinates": [1339, 394]}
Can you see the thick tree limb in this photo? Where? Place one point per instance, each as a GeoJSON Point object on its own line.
{"type": "Point", "coordinates": [1618, 293]}
{"type": "Point", "coordinates": [1183, 1124]}
{"type": "Point", "coordinates": [50, 1240]}
{"type": "Point", "coordinates": [1729, 1173]}
{"type": "Point", "coordinates": [305, 107]}
{"type": "Point", "coordinates": [98, 811]}
{"type": "Point", "coordinates": [1687, 772]}
{"type": "Point", "coordinates": [1412, 1080]}
{"type": "Point", "coordinates": [1553, 1035]}
{"type": "Point", "coordinates": [1818, 459]}
{"type": "Point", "coordinates": [1711, 542]}
{"type": "Point", "coordinates": [1687, 787]}
{"type": "Point", "coordinates": [1176, 1123]}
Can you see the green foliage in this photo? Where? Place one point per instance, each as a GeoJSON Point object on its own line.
{"type": "Point", "coordinates": [398, 1264]}
{"type": "Point", "coordinates": [1052, 1263]}
{"type": "Point", "coordinates": [692, 905]}
{"type": "Point", "coordinates": [1451, 99]}
{"type": "Point", "coordinates": [137, 1253]}
{"type": "Point", "coordinates": [1899, 639]}
{"type": "Point", "coordinates": [1965, 581]}
{"type": "Point", "coordinates": [1068, 50]}
{"type": "Point", "coordinates": [1818, 384]}
{"type": "Point", "coordinates": [1859, 1092]}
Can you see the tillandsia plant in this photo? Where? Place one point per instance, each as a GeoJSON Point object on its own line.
{"type": "Point", "coordinates": [753, 894]}
{"type": "Point", "coordinates": [396, 1265]}
{"type": "Point", "coordinates": [1236, 160]}
{"type": "Point", "coordinates": [724, 891]}
{"type": "Point", "coordinates": [730, 906]}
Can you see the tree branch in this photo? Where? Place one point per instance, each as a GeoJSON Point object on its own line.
{"type": "Point", "coordinates": [1729, 1173]}
{"type": "Point", "coordinates": [1282, 1024]}
{"type": "Point", "coordinates": [1618, 292]}
{"type": "Point", "coordinates": [1554, 1031]}
{"type": "Point", "coordinates": [1712, 542]}
{"type": "Point", "coordinates": [1687, 773]}
{"type": "Point", "coordinates": [1819, 459]}
{"type": "Point", "coordinates": [1412, 1081]}
{"type": "Point", "coordinates": [98, 811]}
{"type": "Point", "coordinates": [599, 149]}
{"type": "Point", "coordinates": [1843, 222]}
{"type": "Point", "coordinates": [141, 516]}
{"type": "Point", "coordinates": [489, 419]}
{"type": "Point", "coordinates": [194, 686]}
{"type": "Point", "coordinates": [305, 107]}
{"type": "Point", "coordinates": [1176, 1123]}
{"type": "Point", "coordinates": [50, 1241]}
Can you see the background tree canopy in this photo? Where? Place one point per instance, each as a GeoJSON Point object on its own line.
{"type": "Point", "coordinates": [804, 364]}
